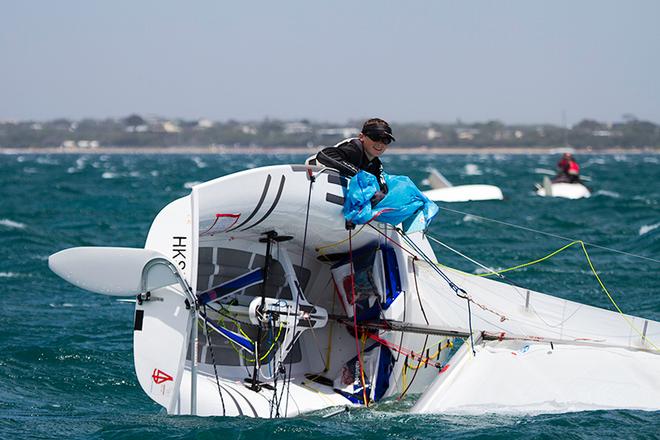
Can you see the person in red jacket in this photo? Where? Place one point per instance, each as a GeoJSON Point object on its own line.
{"type": "Point", "coordinates": [568, 170]}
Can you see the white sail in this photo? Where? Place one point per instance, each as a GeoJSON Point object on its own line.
{"type": "Point", "coordinates": [500, 308]}
{"type": "Point", "coordinates": [544, 354]}
{"type": "Point", "coordinates": [530, 377]}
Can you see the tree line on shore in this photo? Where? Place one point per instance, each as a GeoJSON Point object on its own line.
{"type": "Point", "coordinates": [139, 131]}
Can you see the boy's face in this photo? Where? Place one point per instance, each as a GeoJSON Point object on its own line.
{"type": "Point", "coordinates": [373, 148]}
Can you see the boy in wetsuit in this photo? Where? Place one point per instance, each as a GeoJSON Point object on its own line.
{"type": "Point", "coordinates": [362, 153]}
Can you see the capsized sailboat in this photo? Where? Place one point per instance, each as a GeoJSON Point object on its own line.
{"type": "Point", "coordinates": [564, 190]}
{"type": "Point", "coordinates": [253, 298]}
{"type": "Point", "coordinates": [443, 191]}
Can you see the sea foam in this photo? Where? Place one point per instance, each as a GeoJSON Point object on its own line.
{"type": "Point", "coordinates": [11, 224]}
{"type": "Point", "coordinates": [648, 228]}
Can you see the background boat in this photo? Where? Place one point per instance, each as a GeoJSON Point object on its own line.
{"type": "Point", "coordinates": [444, 191]}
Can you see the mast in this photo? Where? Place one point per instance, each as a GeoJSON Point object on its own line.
{"type": "Point", "coordinates": [268, 239]}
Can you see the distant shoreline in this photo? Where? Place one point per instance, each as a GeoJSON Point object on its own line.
{"type": "Point", "coordinates": [310, 151]}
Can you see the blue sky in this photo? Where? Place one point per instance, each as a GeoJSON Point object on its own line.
{"type": "Point", "coordinates": [519, 61]}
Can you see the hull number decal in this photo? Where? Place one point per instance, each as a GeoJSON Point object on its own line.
{"type": "Point", "coordinates": [179, 249]}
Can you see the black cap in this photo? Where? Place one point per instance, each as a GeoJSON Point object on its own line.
{"type": "Point", "coordinates": [377, 129]}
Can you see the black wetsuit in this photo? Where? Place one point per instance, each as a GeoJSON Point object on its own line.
{"type": "Point", "coordinates": [348, 158]}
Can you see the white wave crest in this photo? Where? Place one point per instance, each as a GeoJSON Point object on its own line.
{"type": "Point", "coordinates": [470, 218]}
{"type": "Point", "coordinates": [472, 169]}
{"type": "Point", "coordinates": [596, 161]}
{"type": "Point", "coordinates": [8, 275]}
{"type": "Point", "coordinates": [648, 228]}
{"type": "Point", "coordinates": [189, 185]}
{"type": "Point", "coordinates": [108, 175]}
{"type": "Point", "coordinates": [11, 224]}
{"type": "Point", "coordinates": [199, 162]}
{"type": "Point", "coordinates": [606, 193]}
{"type": "Point", "coordinates": [47, 161]}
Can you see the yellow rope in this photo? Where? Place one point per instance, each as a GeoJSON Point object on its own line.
{"type": "Point", "coordinates": [593, 270]}
{"type": "Point", "coordinates": [419, 364]}
{"type": "Point", "coordinates": [449, 344]}
{"type": "Point", "coordinates": [323, 396]}
{"type": "Point", "coordinates": [425, 360]}
{"type": "Point", "coordinates": [364, 383]}
{"type": "Point", "coordinates": [644, 338]}
{"type": "Point", "coordinates": [320, 249]}
{"type": "Point", "coordinates": [273, 344]}
{"type": "Point", "coordinates": [232, 344]}
{"type": "Point", "coordinates": [531, 262]}
{"type": "Point", "coordinates": [239, 351]}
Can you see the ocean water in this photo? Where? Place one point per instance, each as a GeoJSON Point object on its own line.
{"type": "Point", "coordinates": [66, 367]}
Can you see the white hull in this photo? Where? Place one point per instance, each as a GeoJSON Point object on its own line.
{"type": "Point", "coordinates": [465, 193]}
{"type": "Point", "coordinates": [564, 190]}
{"type": "Point", "coordinates": [444, 191]}
{"type": "Point", "coordinates": [240, 400]}
{"type": "Point", "coordinates": [277, 202]}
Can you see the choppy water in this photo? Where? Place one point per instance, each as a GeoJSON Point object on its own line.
{"type": "Point", "coordinates": [66, 366]}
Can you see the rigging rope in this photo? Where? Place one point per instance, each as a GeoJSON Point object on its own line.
{"type": "Point", "coordinates": [549, 234]}
{"type": "Point", "coordinates": [240, 349]}
{"type": "Point", "coordinates": [460, 292]}
{"type": "Point", "coordinates": [322, 248]}
{"type": "Point", "coordinates": [215, 367]}
{"type": "Point", "coordinates": [312, 179]}
{"type": "Point", "coordinates": [410, 353]}
{"type": "Point", "coordinates": [426, 339]}
{"type": "Point", "coordinates": [552, 254]}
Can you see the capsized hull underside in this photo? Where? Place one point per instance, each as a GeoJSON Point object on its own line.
{"type": "Point", "coordinates": [269, 272]}
{"type": "Point", "coordinates": [231, 218]}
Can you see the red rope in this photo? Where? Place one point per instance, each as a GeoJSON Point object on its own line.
{"type": "Point", "coordinates": [404, 351]}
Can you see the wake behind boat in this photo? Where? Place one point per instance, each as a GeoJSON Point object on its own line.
{"type": "Point", "coordinates": [252, 298]}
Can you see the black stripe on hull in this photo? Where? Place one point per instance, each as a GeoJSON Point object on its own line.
{"type": "Point", "coordinates": [337, 180]}
{"type": "Point", "coordinates": [299, 168]}
{"type": "Point", "coordinates": [275, 202]}
{"type": "Point", "coordinates": [254, 411]}
{"type": "Point", "coordinates": [337, 200]}
{"type": "Point", "coordinates": [238, 407]}
{"type": "Point", "coordinates": [261, 201]}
